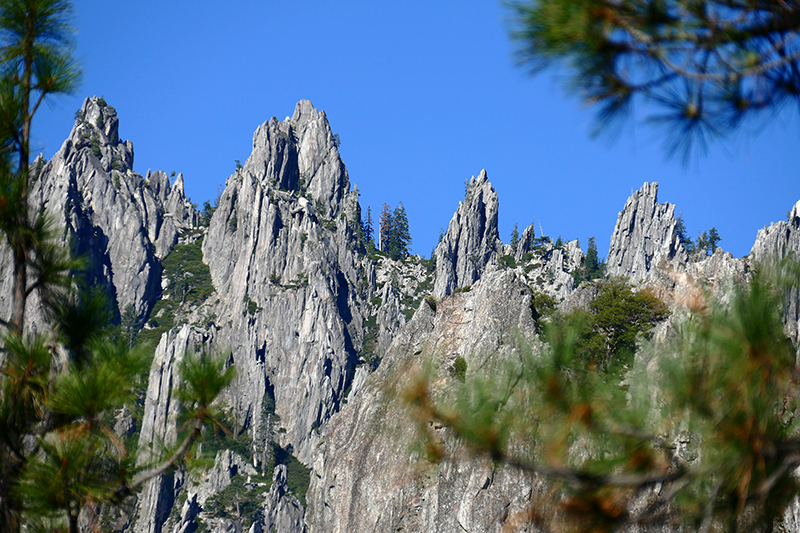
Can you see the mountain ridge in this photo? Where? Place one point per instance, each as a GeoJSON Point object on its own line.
{"type": "Point", "coordinates": [315, 319]}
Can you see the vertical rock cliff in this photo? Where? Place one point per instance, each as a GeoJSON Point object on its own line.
{"type": "Point", "coordinates": [286, 264]}
{"type": "Point", "coordinates": [366, 476]}
{"type": "Point", "coordinates": [295, 300]}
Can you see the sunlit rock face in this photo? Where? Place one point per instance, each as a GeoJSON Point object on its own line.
{"type": "Point", "coordinates": [471, 241]}
{"type": "Point", "coordinates": [103, 211]}
{"type": "Point", "coordinates": [645, 237]}
{"type": "Point", "coordinates": [367, 476]}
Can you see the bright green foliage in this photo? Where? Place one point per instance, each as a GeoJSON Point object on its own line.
{"type": "Point", "coordinates": [202, 379]}
{"type": "Point", "coordinates": [703, 68]}
{"type": "Point", "coordinates": [190, 279]}
{"type": "Point", "coordinates": [459, 369]}
{"type": "Point", "coordinates": [395, 237]}
{"type": "Point", "coordinates": [701, 437]}
{"type": "Point", "coordinates": [58, 420]}
{"type": "Point", "coordinates": [616, 317]}
{"type": "Point", "coordinates": [594, 267]}
{"type": "Point", "coordinates": [542, 304]}
{"type": "Point", "coordinates": [77, 458]}
{"type": "Point", "coordinates": [506, 261]}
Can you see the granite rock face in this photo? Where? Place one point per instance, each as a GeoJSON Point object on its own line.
{"type": "Point", "coordinates": [287, 267]}
{"type": "Point", "coordinates": [645, 237]}
{"type": "Point", "coordinates": [365, 478]}
{"type": "Point", "coordinates": [471, 240]}
{"type": "Point", "coordinates": [160, 426]}
{"type": "Point", "coordinates": [779, 239]}
{"type": "Point", "coordinates": [122, 223]}
{"type": "Point", "coordinates": [297, 302]}
{"type": "Point", "coordinates": [773, 243]}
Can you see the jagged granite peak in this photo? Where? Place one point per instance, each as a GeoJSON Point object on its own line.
{"type": "Point", "coordinates": [112, 216]}
{"type": "Point", "coordinates": [645, 236]}
{"type": "Point", "coordinates": [365, 477]}
{"type": "Point", "coordinates": [471, 240]}
{"type": "Point", "coordinates": [301, 154]}
{"type": "Point", "coordinates": [773, 243]}
{"type": "Point", "coordinates": [284, 256]}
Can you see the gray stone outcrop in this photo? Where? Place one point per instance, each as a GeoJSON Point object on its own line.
{"type": "Point", "coordinates": [105, 212]}
{"type": "Point", "coordinates": [645, 237]}
{"type": "Point", "coordinates": [471, 240]}
{"type": "Point", "coordinates": [774, 243]}
{"type": "Point", "coordinates": [285, 262]}
{"type": "Point", "coordinates": [160, 427]}
{"type": "Point", "coordinates": [365, 477]}
{"type": "Point", "coordinates": [282, 512]}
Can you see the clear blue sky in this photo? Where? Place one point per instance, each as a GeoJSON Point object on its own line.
{"type": "Point", "coordinates": [423, 95]}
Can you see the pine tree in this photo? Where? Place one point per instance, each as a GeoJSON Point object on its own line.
{"type": "Point", "coordinates": [593, 266]}
{"type": "Point", "coordinates": [713, 239]}
{"type": "Point", "coordinates": [699, 77]}
{"type": "Point", "coordinates": [367, 227]}
{"type": "Point", "coordinates": [400, 237]}
{"type": "Point", "coordinates": [515, 237]}
{"type": "Point", "coordinates": [37, 62]}
{"type": "Point", "coordinates": [385, 227]}
{"type": "Point", "coordinates": [686, 241]}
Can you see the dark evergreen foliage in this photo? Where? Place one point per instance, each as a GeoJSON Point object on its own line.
{"type": "Point", "coordinates": [400, 236]}
{"type": "Point", "coordinates": [685, 240]}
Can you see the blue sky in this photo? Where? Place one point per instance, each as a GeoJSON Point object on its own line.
{"type": "Point", "coordinates": [423, 95]}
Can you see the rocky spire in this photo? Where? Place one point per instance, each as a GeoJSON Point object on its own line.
{"type": "Point", "coordinates": [471, 240]}
{"type": "Point", "coordinates": [645, 236]}
{"type": "Point", "coordinates": [111, 215]}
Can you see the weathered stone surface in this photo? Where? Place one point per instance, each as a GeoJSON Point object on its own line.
{"type": "Point", "coordinates": [159, 426]}
{"type": "Point", "coordinates": [549, 268]}
{"type": "Point", "coordinates": [295, 290]}
{"type": "Point", "coordinates": [525, 244]}
{"type": "Point", "coordinates": [645, 237]}
{"type": "Point", "coordinates": [285, 262]}
{"type": "Point", "coordinates": [773, 243]}
{"type": "Point", "coordinates": [365, 477]}
{"type": "Point", "coordinates": [123, 224]}
{"type": "Point", "coordinates": [282, 511]}
{"type": "Point", "coordinates": [471, 240]}
{"type": "Point", "coordinates": [777, 240]}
